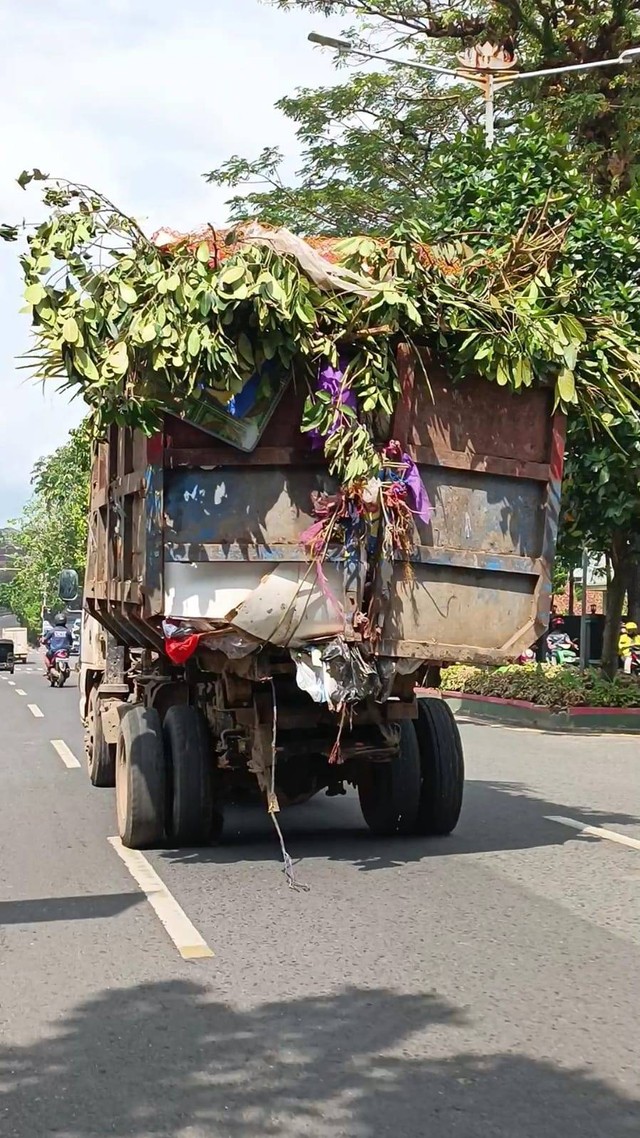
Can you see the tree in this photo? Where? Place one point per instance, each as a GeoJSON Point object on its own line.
{"type": "Point", "coordinates": [366, 147]}
{"type": "Point", "coordinates": [601, 509]}
{"type": "Point", "coordinates": [586, 178]}
{"type": "Point", "coordinates": [51, 533]}
{"type": "Point", "coordinates": [367, 143]}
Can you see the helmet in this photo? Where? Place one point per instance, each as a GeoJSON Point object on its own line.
{"type": "Point", "coordinates": [60, 621]}
{"type": "Point", "coordinates": [557, 622]}
{"type": "Point", "coordinates": [631, 626]}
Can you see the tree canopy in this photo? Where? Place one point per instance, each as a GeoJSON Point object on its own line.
{"type": "Point", "coordinates": [367, 143]}
{"type": "Point", "coordinates": [51, 533]}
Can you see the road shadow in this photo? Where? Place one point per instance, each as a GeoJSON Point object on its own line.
{"type": "Point", "coordinates": [42, 910]}
{"type": "Point", "coordinates": [164, 1059]}
{"type": "Point", "coordinates": [496, 816]}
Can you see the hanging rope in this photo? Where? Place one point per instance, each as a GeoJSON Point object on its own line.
{"type": "Point", "coordinates": [274, 806]}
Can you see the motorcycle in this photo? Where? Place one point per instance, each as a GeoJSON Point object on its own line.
{"type": "Point", "coordinates": [634, 654]}
{"type": "Point", "coordinates": [562, 650]}
{"type": "Point", "coordinates": [59, 669]}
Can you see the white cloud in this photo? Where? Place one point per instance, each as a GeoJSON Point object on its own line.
{"type": "Point", "coordinates": [139, 98]}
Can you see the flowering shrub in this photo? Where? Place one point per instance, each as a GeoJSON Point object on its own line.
{"type": "Point", "coordinates": [545, 684]}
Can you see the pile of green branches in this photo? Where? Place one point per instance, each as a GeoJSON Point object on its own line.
{"type": "Point", "coordinates": [136, 328]}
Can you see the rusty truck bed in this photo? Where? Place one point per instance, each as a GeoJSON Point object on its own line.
{"type": "Point", "coordinates": [175, 515]}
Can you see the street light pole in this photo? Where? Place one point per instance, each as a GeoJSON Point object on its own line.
{"type": "Point", "coordinates": [486, 66]}
{"type": "Point", "coordinates": [489, 112]}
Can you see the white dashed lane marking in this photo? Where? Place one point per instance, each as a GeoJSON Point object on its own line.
{"type": "Point", "coordinates": [596, 832]}
{"type": "Point", "coordinates": [188, 941]}
{"type": "Point", "coordinates": [35, 711]}
{"type": "Point", "coordinates": [65, 753]}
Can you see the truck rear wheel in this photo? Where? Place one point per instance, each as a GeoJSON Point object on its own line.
{"type": "Point", "coordinates": [193, 819]}
{"type": "Point", "coordinates": [140, 778]}
{"type": "Point", "coordinates": [101, 756]}
{"type": "Point", "coordinates": [442, 763]}
{"type": "Point", "coordinates": [389, 793]}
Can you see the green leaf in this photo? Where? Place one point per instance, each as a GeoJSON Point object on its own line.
{"type": "Point", "coordinates": [573, 328]}
{"type": "Point", "coordinates": [270, 346]}
{"type": "Point", "coordinates": [203, 253]}
{"type": "Point", "coordinates": [34, 293]}
{"type": "Point", "coordinates": [566, 386]}
{"type": "Point", "coordinates": [570, 355]}
{"type": "Point", "coordinates": [85, 364]}
{"type": "Point", "coordinates": [193, 343]}
{"type": "Point", "coordinates": [118, 359]}
{"type": "Point", "coordinates": [128, 293]}
{"type": "Point", "coordinates": [274, 291]}
{"type": "Point", "coordinates": [8, 232]}
{"type": "Point", "coordinates": [245, 349]}
{"type": "Point", "coordinates": [231, 276]}
{"type": "Point", "coordinates": [70, 330]}
{"type": "Point", "coordinates": [502, 374]}
{"type": "Point", "coordinates": [148, 333]}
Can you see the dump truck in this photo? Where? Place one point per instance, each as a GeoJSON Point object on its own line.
{"type": "Point", "coordinates": [219, 662]}
{"type": "Point", "coordinates": [19, 636]}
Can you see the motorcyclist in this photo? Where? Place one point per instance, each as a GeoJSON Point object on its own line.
{"type": "Point", "coordinates": [627, 640]}
{"type": "Point", "coordinates": [57, 639]}
{"type": "Point", "coordinates": [559, 641]}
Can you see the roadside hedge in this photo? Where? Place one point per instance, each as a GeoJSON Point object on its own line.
{"type": "Point", "coordinates": [547, 685]}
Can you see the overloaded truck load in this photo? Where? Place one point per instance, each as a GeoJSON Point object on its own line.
{"type": "Point", "coordinates": [323, 469]}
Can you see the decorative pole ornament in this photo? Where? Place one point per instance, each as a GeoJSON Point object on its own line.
{"type": "Point", "coordinates": [488, 67]}
{"type": "Point", "coordinates": [485, 65]}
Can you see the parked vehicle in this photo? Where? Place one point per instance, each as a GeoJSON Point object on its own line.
{"type": "Point", "coordinates": [214, 656]}
{"type": "Point", "coordinates": [20, 643]}
{"type": "Point", "coordinates": [59, 670]}
{"type": "Point", "coordinates": [7, 658]}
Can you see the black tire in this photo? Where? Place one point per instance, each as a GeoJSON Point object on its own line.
{"type": "Point", "coordinates": [101, 756]}
{"type": "Point", "coordinates": [140, 779]}
{"type": "Point", "coordinates": [192, 818]}
{"type": "Point", "coordinates": [442, 762]}
{"type": "Point", "coordinates": [389, 793]}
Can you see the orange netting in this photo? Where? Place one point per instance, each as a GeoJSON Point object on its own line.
{"type": "Point", "coordinates": [223, 243]}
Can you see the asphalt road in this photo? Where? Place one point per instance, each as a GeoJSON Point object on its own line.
{"type": "Point", "coordinates": [481, 985]}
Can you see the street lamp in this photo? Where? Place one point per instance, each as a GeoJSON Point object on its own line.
{"type": "Point", "coordinates": [486, 66]}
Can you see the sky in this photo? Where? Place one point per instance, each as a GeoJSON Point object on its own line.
{"type": "Point", "coordinates": [138, 98]}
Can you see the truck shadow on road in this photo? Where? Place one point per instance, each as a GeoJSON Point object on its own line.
{"type": "Point", "coordinates": [91, 907]}
{"type": "Point", "coordinates": [166, 1059]}
{"type": "Point", "coordinates": [496, 816]}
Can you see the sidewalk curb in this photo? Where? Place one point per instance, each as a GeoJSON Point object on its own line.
{"type": "Point", "coordinates": [521, 714]}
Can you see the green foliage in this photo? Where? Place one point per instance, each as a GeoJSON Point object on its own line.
{"type": "Point", "coordinates": [600, 487]}
{"type": "Point", "coordinates": [598, 107]}
{"type": "Point", "coordinates": [366, 146]}
{"type": "Point", "coordinates": [547, 685]}
{"type": "Point", "coordinates": [51, 533]}
{"type": "Point", "coordinates": [137, 328]}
